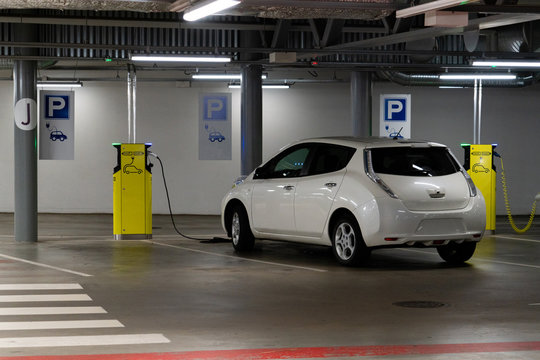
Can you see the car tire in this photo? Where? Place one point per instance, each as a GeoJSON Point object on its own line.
{"type": "Point", "coordinates": [242, 237]}
{"type": "Point", "coordinates": [348, 245]}
{"type": "Point", "coordinates": [457, 253]}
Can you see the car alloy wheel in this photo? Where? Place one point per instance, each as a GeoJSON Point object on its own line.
{"type": "Point", "coordinates": [345, 241]}
{"type": "Point", "coordinates": [242, 237]}
{"type": "Point", "coordinates": [235, 229]}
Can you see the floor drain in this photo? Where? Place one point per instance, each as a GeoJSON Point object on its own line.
{"type": "Point", "coordinates": [420, 304]}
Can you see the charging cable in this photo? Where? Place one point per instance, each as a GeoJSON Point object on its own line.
{"type": "Point", "coordinates": [507, 203]}
{"type": "Point", "coordinates": [214, 239]}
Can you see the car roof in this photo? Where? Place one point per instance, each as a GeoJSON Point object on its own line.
{"type": "Point", "coordinates": [370, 142]}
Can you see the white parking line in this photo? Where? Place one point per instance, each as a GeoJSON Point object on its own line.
{"type": "Point", "coordinates": [514, 238]}
{"type": "Point", "coordinates": [535, 304]}
{"type": "Point", "coordinates": [48, 310]}
{"type": "Point", "coordinates": [67, 324]}
{"type": "Point", "coordinates": [506, 263]}
{"type": "Point", "coordinates": [40, 287]}
{"type": "Point", "coordinates": [43, 265]}
{"type": "Point", "coordinates": [237, 257]}
{"type": "Point", "coordinates": [479, 259]}
{"type": "Point", "coordinates": [99, 340]}
{"type": "Point", "coordinates": [38, 298]}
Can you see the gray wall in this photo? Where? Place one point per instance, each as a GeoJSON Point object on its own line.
{"type": "Point", "coordinates": [168, 117]}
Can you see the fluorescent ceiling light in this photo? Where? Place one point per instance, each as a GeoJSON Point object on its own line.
{"type": "Point", "coordinates": [507, 63]}
{"type": "Point", "coordinates": [477, 77]}
{"type": "Point", "coordinates": [268, 86]}
{"type": "Point", "coordinates": [208, 8]}
{"type": "Point", "coordinates": [180, 58]}
{"type": "Point", "coordinates": [221, 76]}
{"type": "Point", "coordinates": [58, 84]}
{"type": "Point", "coordinates": [430, 6]}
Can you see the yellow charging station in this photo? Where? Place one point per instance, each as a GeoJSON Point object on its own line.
{"type": "Point", "coordinates": [479, 164]}
{"type": "Point", "coordinates": [132, 193]}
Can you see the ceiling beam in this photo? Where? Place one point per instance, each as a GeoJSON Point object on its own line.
{"type": "Point", "coordinates": [475, 24]}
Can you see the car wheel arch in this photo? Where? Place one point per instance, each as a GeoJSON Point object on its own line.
{"type": "Point", "coordinates": [336, 215]}
{"type": "Point", "coordinates": [228, 213]}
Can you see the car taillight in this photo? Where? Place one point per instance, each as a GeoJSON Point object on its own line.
{"type": "Point", "coordinates": [374, 177]}
{"type": "Point", "coordinates": [472, 187]}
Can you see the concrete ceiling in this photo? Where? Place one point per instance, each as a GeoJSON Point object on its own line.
{"type": "Point", "coordinates": [362, 34]}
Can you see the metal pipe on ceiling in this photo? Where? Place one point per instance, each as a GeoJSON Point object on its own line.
{"type": "Point", "coordinates": [433, 80]}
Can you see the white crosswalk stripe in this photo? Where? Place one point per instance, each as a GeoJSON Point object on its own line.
{"type": "Point", "coordinates": [38, 296]}
{"type": "Point", "coordinates": [44, 298]}
{"type": "Point", "coordinates": [97, 340]}
{"type": "Point", "coordinates": [48, 310]}
{"type": "Point", "coordinates": [66, 324]}
{"type": "Point", "coordinates": [4, 287]}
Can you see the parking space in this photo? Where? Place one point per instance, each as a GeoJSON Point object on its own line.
{"type": "Point", "coordinates": [78, 292]}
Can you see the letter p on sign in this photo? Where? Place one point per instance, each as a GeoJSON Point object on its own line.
{"type": "Point", "coordinates": [214, 105]}
{"type": "Point", "coordinates": [57, 107]}
{"type": "Point", "coordinates": [395, 110]}
{"type": "Point", "coordinates": [215, 108]}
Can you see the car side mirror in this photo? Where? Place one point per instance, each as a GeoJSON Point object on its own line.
{"type": "Point", "coordinates": [259, 173]}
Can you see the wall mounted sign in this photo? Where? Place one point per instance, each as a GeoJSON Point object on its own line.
{"type": "Point", "coordinates": [395, 116]}
{"type": "Point", "coordinates": [215, 126]}
{"type": "Point", "coordinates": [56, 125]}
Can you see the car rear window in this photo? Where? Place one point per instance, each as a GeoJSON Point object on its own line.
{"type": "Point", "coordinates": [413, 161]}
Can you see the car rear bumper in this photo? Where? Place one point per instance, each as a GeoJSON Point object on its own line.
{"type": "Point", "coordinates": [387, 222]}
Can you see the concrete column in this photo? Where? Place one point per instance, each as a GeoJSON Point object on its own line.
{"type": "Point", "coordinates": [25, 95]}
{"type": "Point", "coordinates": [361, 103]}
{"type": "Point", "coordinates": [251, 119]}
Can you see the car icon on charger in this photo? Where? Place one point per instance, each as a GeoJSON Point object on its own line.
{"type": "Point", "coordinates": [479, 168]}
{"type": "Point", "coordinates": [58, 135]}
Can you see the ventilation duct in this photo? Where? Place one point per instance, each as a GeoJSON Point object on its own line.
{"type": "Point", "coordinates": [512, 39]}
{"type": "Point", "coordinates": [427, 45]}
{"type": "Point", "coordinates": [433, 80]}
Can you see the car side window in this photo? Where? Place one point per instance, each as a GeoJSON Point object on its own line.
{"type": "Point", "coordinates": [330, 158]}
{"type": "Point", "coordinates": [288, 164]}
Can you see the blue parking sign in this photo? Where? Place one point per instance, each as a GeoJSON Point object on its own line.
{"type": "Point", "coordinates": [215, 108]}
{"type": "Point", "coordinates": [57, 107]}
{"type": "Point", "coordinates": [395, 110]}
{"type": "Point", "coordinates": [395, 116]}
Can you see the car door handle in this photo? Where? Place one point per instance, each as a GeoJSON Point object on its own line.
{"type": "Point", "coordinates": [288, 187]}
{"type": "Point", "coordinates": [330, 185]}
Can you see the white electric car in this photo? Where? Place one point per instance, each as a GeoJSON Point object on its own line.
{"type": "Point", "coordinates": [356, 195]}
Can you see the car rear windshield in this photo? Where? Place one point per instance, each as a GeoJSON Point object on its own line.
{"type": "Point", "coordinates": [413, 161]}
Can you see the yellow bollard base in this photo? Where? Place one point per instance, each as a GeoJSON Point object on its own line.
{"type": "Point", "coordinates": [132, 236]}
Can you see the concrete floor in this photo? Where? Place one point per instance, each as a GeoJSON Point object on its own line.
{"type": "Point", "coordinates": [171, 298]}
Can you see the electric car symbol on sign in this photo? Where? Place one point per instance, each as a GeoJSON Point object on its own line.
{"type": "Point", "coordinates": [57, 134]}
{"type": "Point", "coordinates": [357, 195]}
{"type": "Point", "coordinates": [216, 135]}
